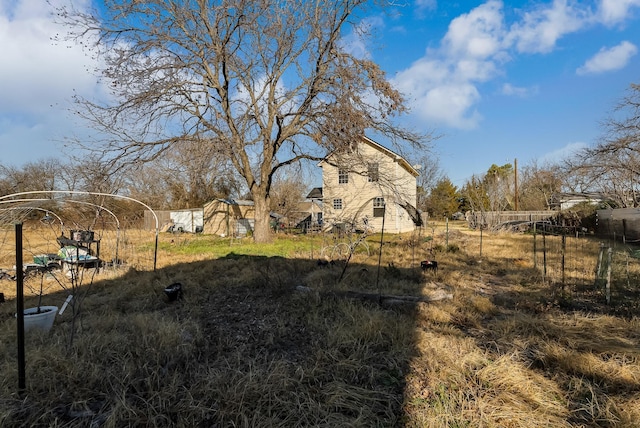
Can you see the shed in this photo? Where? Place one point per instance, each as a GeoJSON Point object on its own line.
{"type": "Point", "coordinates": [225, 217]}
{"type": "Point", "coordinates": [189, 220]}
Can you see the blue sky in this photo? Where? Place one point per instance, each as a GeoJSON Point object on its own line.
{"type": "Point", "coordinates": [527, 80]}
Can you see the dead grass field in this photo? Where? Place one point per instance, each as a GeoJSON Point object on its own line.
{"type": "Point", "coordinates": [265, 337]}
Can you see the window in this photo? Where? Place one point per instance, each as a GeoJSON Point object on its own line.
{"type": "Point", "coordinates": [337, 204]}
{"type": "Point", "coordinates": [343, 176]}
{"type": "Point", "coordinates": [373, 172]}
{"type": "Point", "coordinates": [378, 207]}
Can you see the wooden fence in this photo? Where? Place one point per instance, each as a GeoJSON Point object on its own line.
{"type": "Point", "coordinates": [493, 219]}
{"type": "Point", "coordinates": [619, 224]}
{"type": "Point", "coordinates": [164, 217]}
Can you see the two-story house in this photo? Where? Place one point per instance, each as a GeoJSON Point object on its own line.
{"type": "Point", "coordinates": [367, 183]}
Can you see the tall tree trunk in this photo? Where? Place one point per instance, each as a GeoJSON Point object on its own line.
{"type": "Point", "coordinates": [217, 78]}
{"type": "Point", "coordinates": [262, 228]}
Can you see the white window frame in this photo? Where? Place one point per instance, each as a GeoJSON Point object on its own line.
{"type": "Point", "coordinates": [378, 206]}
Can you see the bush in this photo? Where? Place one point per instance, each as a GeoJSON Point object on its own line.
{"type": "Point", "coordinates": [453, 248]}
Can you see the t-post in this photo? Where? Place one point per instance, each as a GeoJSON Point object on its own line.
{"type": "Point", "coordinates": [20, 308]}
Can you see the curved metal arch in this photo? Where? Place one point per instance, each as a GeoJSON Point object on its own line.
{"type": "Point", "coordinates": [63, 200]}
{"type": "Point", "coordinates": [76, 192]}
{"type": "Point", "coordinates": [75, 202]}
{"type": "Point", "coordinates": [34, 208]}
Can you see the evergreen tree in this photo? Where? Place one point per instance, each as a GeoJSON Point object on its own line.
{"type": "Point", "coordinates": [444, 199]}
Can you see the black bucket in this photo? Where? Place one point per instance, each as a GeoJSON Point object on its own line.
{"type": "Point", "coordinates": [173, 292]}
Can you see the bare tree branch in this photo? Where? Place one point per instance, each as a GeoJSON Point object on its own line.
{"type": "Point", "coordinates": [266, 83]}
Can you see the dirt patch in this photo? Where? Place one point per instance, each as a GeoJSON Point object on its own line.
{"type": "Point", "coordinates": [255, 321]}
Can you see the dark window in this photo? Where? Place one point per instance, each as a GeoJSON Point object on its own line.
{"type": "Point", "coordinates": [337, 204]}
{"type": "Point", "coordinates": [378, 207]}
{"type": "Point", "coordinates": [373, 173]}
{"type": "Point", "coordinates": [343, 176]}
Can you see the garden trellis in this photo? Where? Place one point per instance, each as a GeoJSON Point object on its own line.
{"type": "Point", "coordinates": [119, 240]}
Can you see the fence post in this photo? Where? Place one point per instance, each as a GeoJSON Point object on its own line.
{"type": "Point", "coordinates": [447, 234]}
{"type": "Point", "coordinates": [544, 255]}
{"type": "Point", "coordinates": [608, 291]}
{"type": "Point", "coordinates": [535, 254]}
{"type": "Point", "coordinates": [564, 247]}
{"type": "Point", "coordinates": [599, 265]}
{"type": "Point", "coordinates": [20, 308]}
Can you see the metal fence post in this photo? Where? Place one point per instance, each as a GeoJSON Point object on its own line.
{"type": "Point", "coordinates": [20, 308]}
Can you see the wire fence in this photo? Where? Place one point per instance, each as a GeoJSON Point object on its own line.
{"type": "Point", "coordinates": [569, 260]}
{"type": "Point", "coordinates": [116, 242]}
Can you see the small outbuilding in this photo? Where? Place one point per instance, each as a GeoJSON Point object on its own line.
{"type": "Point", "coordinates": [187, 220]}
{"type": "Point", "coordinates": [228, 217]}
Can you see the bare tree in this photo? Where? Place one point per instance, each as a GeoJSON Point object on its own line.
{"type": "Point", "coordinates": [148, 184]}
{"type": "Point", "coordinates": [493, 191]}
{"type": "Point", "coordinates": [187, 176]}
{"type": "Point", "coordinates": [430, 175]}
{"type": "Point", "coordinates": [96, 176]}
{"type": "Point", "coordinates": [44, 174]}
{"type": "Point", "coordinates": [612, 166]}
{"type": "Point", "coordinates": [610, 173]}
{"type": "Point", "coordinates": [538, 184]}
{"type": "Point", "coordinates": [287, 194]}
{"type": "Point", "coordinates": [474, 194]}
{"type": "Point", "coordinates": [264, 83]}
{"type": "Point", "coordinates": [5, 183]}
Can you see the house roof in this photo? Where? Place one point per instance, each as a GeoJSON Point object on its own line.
{"type": "Point", "coordinates": [308, 206]}
{"type": "Point", "coordinates": [395, 156]}
{"type": "Point", "coordinates": [233, 202]}
{"type": "Point", "coordinates": [315, 193]}
{"type": "Point", "coordinates": [586, 195]}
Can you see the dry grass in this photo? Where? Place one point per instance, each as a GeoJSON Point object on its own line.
{"type": "Point", "coordinates": [245, 347]}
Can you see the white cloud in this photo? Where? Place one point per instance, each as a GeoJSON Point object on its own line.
{"type": "Point", "coordinates": [37, 72]}
{"type": "Point", "coordinates": [510, 90]}
{"type": "Point", "coordinates": [355, 42]}
{"type": "Point", "coordinates": [452, 104]}
{"type": "Point", "coordinates": [478, 43]}
{"type": "Point", "coordinates": [38, 76]}
{"type": "Point", "coordinates": [442, 85]}
{"type": "Point", "coordinates": [615, 11]}
{"type": "Point", "coordinates": [477, 34]}
{"type": "Point", "coordinates": [400, 29]}
{"type": "Point", "coordinates": [563, 153]}
{"type": "Point", "coordinates": [541, 28]}
{"type": "Point", "coordinates": [435, 95]}
{"type": "Point", "coordinates": [425, 5]}
{"type": "Point", "coordinates": [611, 59]}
